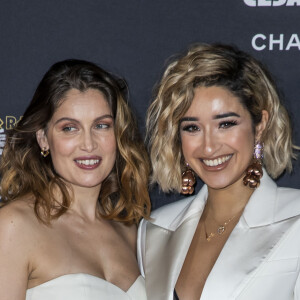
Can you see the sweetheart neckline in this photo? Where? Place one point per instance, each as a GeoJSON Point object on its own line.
{"type": "Point", "coordinates": [85, 275]}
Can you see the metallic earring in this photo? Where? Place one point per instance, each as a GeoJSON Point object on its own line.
{"type": "Point", "coordinates": [45, 152]}
{"type": "Point", "coordinates": [188, 181]}
{"type": "Point", "coordinates": [254, 172]}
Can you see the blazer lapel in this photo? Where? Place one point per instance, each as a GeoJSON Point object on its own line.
{"type": "Point", "coordinates": [250, 244]}
{"type": "Point", "coordinates": [166, 249]}
{"type": "Point", "coordinates": [244, 252]}
{"type": "Point", "coordinates": [164, 264]}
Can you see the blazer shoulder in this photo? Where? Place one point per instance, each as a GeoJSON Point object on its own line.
{"type": "Point", "coordinates": [289, 194]}
{"type": "Point", "coordinates": [288, 202]}
{"type": "Point", "coordinates": [166, 214]}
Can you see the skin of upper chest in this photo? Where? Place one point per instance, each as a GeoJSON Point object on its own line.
{"type": "Point", "coordinates": [102, 249]}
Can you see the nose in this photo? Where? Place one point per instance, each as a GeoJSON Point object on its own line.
{"type": "Point", "coordinates": [89, 142]}
{"type": "Point", "coordinates": [210, 144]}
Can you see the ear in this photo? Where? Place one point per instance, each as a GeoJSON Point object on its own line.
{"type": "Point", "coordinates": [259, 129]}
{"type": "Point", "coordinates": [42, 139]}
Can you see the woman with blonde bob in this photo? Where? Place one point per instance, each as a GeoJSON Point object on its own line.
{"type": "Point", "coordinates": [217, 115]}
{"type": "Point", "coordinates": [74, 187]}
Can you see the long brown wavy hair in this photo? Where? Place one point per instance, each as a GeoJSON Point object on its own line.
{"type": "Point", "coordinates": [124, 193]}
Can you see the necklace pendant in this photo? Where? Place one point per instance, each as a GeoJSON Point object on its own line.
{"type": "Point", "coordinates": [210, 237]}
{"type": "Point", "coordinates": [221, 229]}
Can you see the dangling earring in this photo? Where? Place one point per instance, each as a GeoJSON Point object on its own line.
{"type": "Point", "coordinates": [188, 181]}
{"type": "Point", "coordinates": [44, 152]}
{"type": "Point", "coordinates": [254, 172]}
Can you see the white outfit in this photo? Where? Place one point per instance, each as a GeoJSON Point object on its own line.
{"type": "Point", "coordinates": [85, 287]}
{"type": "Point", "coordinates": [260, 260]}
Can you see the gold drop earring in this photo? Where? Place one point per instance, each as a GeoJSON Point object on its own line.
{"type": "Point", "coordinates": [45, 152]}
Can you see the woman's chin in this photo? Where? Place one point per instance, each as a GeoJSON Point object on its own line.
{"type": "Point", "coordinates": [223, 184]}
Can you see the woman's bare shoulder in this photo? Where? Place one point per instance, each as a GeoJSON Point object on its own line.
{"type": "Point", "coordinates": [17, 218]}
{"type": "Point", "coordinates": [17, 232]}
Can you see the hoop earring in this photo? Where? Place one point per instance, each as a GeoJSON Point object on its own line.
{"type": "Point", "coordinates": [45, 152]}
{"type": "Point", "coordinates": [254, 172]}
{"type": "Point", "coordinates": [188, 181]}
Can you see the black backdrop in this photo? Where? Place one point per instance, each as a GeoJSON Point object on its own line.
{"type": "Point", "coordinates": [135, 38]}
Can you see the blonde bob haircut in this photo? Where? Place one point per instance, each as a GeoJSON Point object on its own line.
{"type": "Point", "coordinates": [124, 193]}
{"type": "Point", "coordinates": [214, 65]}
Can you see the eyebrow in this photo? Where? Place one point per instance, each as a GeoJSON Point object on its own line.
{"type": "Point", "coordinates": [74, 120]}
{"type": "Point", "coordinates": [226, 115]}
{"type": "Point", "coordinates": [215, 117]}
{"type": "Point", "coordinates": [187, 119]}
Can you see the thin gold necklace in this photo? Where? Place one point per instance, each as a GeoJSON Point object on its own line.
{"type": "Point", "coordinates": [221, 229]}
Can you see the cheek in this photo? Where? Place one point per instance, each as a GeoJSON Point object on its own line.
{"type": "Point", "coordinates": [109, 144]}
{"type": "Point", "coordinates": [189, 144]}
{"type": "Point", "coordinates": [60, 149]}
{"type": "Point", "coordinates": [243, 143]}
{"type": "Point", "coordinates": [185, 146]}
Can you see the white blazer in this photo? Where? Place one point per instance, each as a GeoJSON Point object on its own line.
{"type": "Point", "coordinates": [260, 260]}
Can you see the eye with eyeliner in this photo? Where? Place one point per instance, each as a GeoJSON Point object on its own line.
{"type": "Point", "coordinates": [69, 128]}
{"type": "Point", "coordinates": [190, 128]}
{"type": "Point", "coordinates": [104, 124]}
{"type": "Point", "coordinates": [227, 124]}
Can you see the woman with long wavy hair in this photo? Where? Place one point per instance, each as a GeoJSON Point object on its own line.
{"type": "Point", "coordinates": [74, 186]}
{"type": "Point", "coordinates": [217, 115]}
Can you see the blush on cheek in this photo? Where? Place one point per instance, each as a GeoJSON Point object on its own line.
{"type": "Point", "coordinates": [65, 147]}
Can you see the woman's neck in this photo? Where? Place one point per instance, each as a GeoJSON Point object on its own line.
{"type": "Point", "coordinates": [84, 201]}
{"type": "Point", "coordinates": [222, 204]}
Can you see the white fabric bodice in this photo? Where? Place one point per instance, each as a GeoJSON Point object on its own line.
{"type": "Point", "coordinates": [85, 287]}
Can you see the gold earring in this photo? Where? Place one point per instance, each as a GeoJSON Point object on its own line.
{"type": "Point", "coordinates": [254, 172]}
{"type": "Point", "coordinates": [188, 181]}
{"type": "Point", "coordinates": [45, 152]}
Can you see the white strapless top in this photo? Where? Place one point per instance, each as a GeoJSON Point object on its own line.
{"type": "Point", "coordinates": [85, 287]}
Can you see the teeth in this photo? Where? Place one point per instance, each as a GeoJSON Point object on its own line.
{"type": "Point", "coordinates": [217, 161]}
{"type": "Point", "coordinates": [88, 162]}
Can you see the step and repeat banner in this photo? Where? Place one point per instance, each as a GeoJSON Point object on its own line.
{"type": "Point", "coordinates": [134, 39]}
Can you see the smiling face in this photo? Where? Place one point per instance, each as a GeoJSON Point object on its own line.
{"type": "Point", "coordinates": [217, 137]}
{"type": "Point", "coordinates": [81, 139]}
